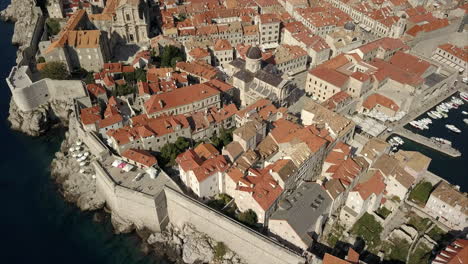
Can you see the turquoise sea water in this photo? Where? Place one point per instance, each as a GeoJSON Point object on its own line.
{"type": "Point", "coordinates": [37, 225]}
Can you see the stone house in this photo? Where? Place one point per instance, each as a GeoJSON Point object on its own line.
{"type": "Point", "coordinates": [300, 218]}
{"type": "Point", "coordinates": [202, 170]}
{"type": "Point", "coordinates": [366, 196]}
{"type": "Point", "coordinates": [449, 206]}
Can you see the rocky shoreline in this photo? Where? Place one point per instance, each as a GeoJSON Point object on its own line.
{"type": "Point", "coordinates": [78, 186]}
{"type": "Point", "coordinates": [24, 14]}
{"type": "Point", "coordinates": [184, 245]}
{"type": "Point", "coordinates": [41, 119]}
{"type": "Point", "coordinates": [77, 183]}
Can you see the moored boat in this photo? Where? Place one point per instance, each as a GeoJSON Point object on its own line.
{"type": "Point", "coordinates": [453, 128]}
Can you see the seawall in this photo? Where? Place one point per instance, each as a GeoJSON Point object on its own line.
{"type": "Point", "coordinates": [247, 243]}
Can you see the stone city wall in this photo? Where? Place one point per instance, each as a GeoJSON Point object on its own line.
{"type": "Point", "coordinates": [250, 245]}
{"type": "Point", "coordinates": [31, 96]}
{"type": "Point", "coordinates": [133, 206]}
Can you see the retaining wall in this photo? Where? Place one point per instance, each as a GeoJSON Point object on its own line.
{"type": "Point", "coordinates": [247, 243]}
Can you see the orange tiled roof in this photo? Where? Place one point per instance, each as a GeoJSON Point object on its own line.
{"type": "Point", "coordinates": [182, 96]}
{"type": "Point", "coordinates": [375, 99]}
{"type": "Point", "coordinates": [140, 156]}
{"type": "Point", "coordinates": [90, 115]}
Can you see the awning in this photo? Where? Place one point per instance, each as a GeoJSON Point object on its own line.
{"type": "Point", "coordinates": [128, 167]}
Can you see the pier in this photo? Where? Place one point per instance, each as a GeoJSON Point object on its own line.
{"type": "Point", "coordinates": [398, 127]}
{"type": "Point", "coordinates": [443, 148]}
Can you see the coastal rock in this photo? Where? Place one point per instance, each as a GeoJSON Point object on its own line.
{"type": "Point", "coordinates": [25, 14]}
{"type": "Point", "coordinates": [39, 120]}
{"type": "Point", "coordinates": [32, 123]}
{"type": "Point", "coordinates": [121, 226]}
{"type": "Point", "coordinates": [77, 186]}
{"type": "Point", "coordinates": [157, 238]}
{"type": "Point", "coordinates": [197, 249]}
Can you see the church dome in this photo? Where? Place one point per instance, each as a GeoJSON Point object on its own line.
{"type": "Point", "coordinates": [349, 26]}
{"type": "Point", "coordinates": [254, 53]}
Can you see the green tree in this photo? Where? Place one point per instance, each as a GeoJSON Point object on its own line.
{"type": "Point", "coordinates": [169, 56]}
{"type": "Point", "coordinates": [170, 151]}
{"type": "Point", "coordinates": [224, 138]}
{"type": "Point", "coordinates": [55, 70]}
{"type": "Point", "coordinates": [368, 229]}
{"type": "Point", "coordinates": [182, 144]}
{"type": "Point", "coordinates": [40, 60]}
{"type": "Point", "coordinates": [53, 26]}
{"type": "Point", "coordinates": [248, 217]}
{"type": "Point", "coordinates": [89, 78]}
{"type": "Point", "coordinates": [175, 60]}
{"type": "Point", "coordinates": [421, 192]}
{"type": "Point", "coordinates": [125, 89]}
{"type": "Point", "coordinates": [140, 75]}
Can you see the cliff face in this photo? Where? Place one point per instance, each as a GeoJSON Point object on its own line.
{"type": "Point", "coordinates": [38, 121]}
{"type": "Point", "coordinates": [76, 183]}
{"type": "Point", "coordinates": [25, 14]}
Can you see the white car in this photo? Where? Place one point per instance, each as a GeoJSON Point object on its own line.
{"type": "Point", "coordinates": [465, 79]}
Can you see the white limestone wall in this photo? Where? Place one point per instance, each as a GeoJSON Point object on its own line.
{"type": "Point", "coordinates": [250, 245]}
{"type": "Point", "coordinates": [133, 206]}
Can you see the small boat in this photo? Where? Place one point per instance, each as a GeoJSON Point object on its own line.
{"type": "Point", "coordinates": [453, 128]}
{"type": "Point", "coordinates": [436, 114]}
{"type": "Point", "coordinates": [432, 115]}
{"type": "Point", "coordinates": [452, 105]}
{"type": "Point", "coordinates": [416, 125]}
{"type": "Point", "coordinates": [465, 120]}
{"type": "Point", "coordinates": [465, 112]}
{"type": "Point", "coordinates": [398, 140]}
{"type": "Point", "coordinates": [444, 115]}
{"type": "Point", "coordinates": [442, 140]}
{"type": "Point", "coordinates": [464, 96]}
{"type": "Point", "coordinates": [457, 101]}
{"type": "Point", "coordinates": [442, 108]}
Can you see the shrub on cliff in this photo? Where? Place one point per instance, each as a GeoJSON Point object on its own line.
{"type": "Point", "coordinates": [219, 250]}
{"type": "Point", "coordinates": [55, 70]}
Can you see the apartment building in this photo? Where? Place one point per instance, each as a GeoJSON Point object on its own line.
{"type": "Point", "coordinates": [269, 29]}
{"type": "Point", "coordinates": [366, 196]}
{"type": "Point", "coordinates": [290, 59]}
{"type": "Point", "coordinates": [339, 127]}
{"type": "Point", "coordinates": [77, 46]}
{"type": "Point", "coordinates": [223, 52]}
{"type": "Point", "coordinates": [301, 216]}
{"type": "Point", "coordinates": [193, 98]}
{"type": "Point", "coordinates": [452, 56]}
{"type": "Point", "coordinates": [202, 170]}
{"type": "Point", "coordinates": [449, 206]}
{"type": "Point", "coordinates": [346, 72]}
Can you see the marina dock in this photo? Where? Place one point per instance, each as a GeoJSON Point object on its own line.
{"type": "Point", "coordinates": [398, 127]}
{"type": "Point", "coordinates": [443, 148]}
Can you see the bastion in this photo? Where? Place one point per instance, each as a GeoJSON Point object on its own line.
{"type": "Point", "coordinates": [28, 95]}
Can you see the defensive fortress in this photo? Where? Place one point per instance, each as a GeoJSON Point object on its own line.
{"type": "Point", "coordinates": [28, 94]}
